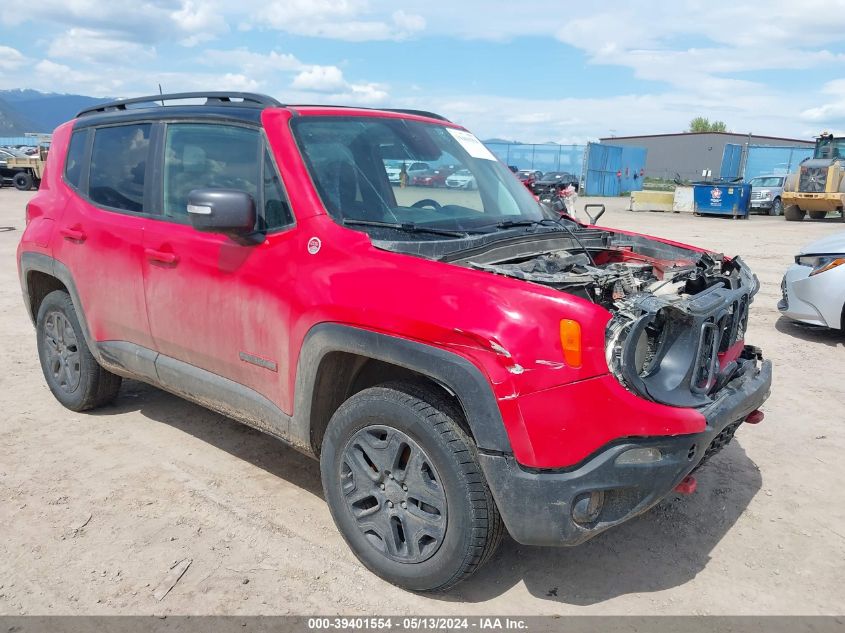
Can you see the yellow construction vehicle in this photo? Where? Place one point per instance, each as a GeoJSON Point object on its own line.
{"type": "Point", "coordinates": [819, 185]}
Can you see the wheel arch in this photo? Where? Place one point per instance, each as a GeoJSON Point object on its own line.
{"type": "Point", "coordinates": [336, 361]}
{"type": "Point", "coordinates": [41, 274]}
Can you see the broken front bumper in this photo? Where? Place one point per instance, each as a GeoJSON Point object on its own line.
{"type": "Point", "coordinates": [539, 506]}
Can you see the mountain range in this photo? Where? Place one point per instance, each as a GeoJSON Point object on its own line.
{"type": "Point", "coordinates": [24, 111]}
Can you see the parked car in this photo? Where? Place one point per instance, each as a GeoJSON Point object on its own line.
{"type": "Point", "coordinates": [412, 169]}
{"type": "Point", "coordinates": [457, 369]}
{"type": "Point", "coordinates": [528, 177]}
{"type": "Point", "coordinates": [431, 177]}
{"type": "Point", "coordinates": [461, 179]}
{"type": "Point", "coordinates": [554, 181]}
{"type": "Point", "coordinates": [766, 194]}
{"type": "Point", "coordinates": [814, 286]}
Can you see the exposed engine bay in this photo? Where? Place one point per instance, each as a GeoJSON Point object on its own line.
{"type": "Point", "coordinates": [679, 316]}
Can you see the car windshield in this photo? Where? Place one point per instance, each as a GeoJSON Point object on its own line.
{"type": "Point", "coordinates": [347, 158]}
{"type": "Point", "coordinates": [767, 181]}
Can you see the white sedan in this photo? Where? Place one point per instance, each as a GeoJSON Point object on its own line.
{"type": "Point", "coordinates": [814, 286]}
{"type": "Point", "coordinates": [461, 179]}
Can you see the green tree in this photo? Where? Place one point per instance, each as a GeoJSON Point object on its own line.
{"type": "Point", "coordinates": [703, 124]}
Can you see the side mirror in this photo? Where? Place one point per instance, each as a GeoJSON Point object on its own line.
{"type": "Point", "coordinates": [227, 211]}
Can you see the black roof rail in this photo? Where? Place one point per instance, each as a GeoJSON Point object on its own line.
{"type": "Point", "coordinates": [248, 99]}
{"type": "Point", "coordinates": [430, 115]}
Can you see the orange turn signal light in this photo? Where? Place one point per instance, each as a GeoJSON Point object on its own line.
{"type": "Point", "coordinates": [570, 340]}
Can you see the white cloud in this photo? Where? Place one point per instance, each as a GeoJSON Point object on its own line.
{"type": "Point", "coordinates": [94, 46]}
{"type": "Point", "coordinates": [320, 79]}
{"type": "Point", "coordinates": [11, 58]}
{"type": "Point", "coordinates": [329, 81]}
{"type": "Point", "coordinates": [251, 63]}
{"type": "Point", "coordinates": [200, 21]}
{"type": "Point", "coordinates": [349, 20]}
{"type": "Point", "coordinates": [832, 113]}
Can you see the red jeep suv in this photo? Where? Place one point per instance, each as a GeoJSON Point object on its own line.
{"type": "Point", "coordinates": [460, 361]}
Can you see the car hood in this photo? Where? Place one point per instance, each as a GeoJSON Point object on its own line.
{"type": "Point", "coordinates": [831, 244]}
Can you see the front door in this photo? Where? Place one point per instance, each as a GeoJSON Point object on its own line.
{"type": "Point", "coordinates": [214, 304]}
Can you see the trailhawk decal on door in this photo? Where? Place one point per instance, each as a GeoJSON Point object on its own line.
{"type": "Point", "coordinates": [257, 360]}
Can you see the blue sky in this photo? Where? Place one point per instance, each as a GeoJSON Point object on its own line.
{"type": "Point", "coordinates": [554, 71]}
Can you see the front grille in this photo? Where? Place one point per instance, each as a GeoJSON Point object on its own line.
{"type": "Point", "coordinates": [756, 195]}
{"type": "Point", "coordinates": [813, 179]}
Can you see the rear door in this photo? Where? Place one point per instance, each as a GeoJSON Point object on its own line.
{"type": "Point", "coordinates": [218, 305]}
{"type": "Point", "coordinates": [102, 228]}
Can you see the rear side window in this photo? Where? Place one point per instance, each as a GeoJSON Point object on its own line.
{"type": "Point", "coordinates": [75, 153]}
{"type": "Point", "coordinates": [119, 161]}
{"type": "Point", "coordinates": [208, 156]}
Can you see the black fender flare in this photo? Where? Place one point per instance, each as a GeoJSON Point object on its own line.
{"type": "Point", "coordinates": [454, 372]}
{"type": "Point", "coordinates": [42, 263]}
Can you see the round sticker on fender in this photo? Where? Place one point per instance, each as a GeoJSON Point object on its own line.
{"type": "Point", "coordinates": [314, 245]}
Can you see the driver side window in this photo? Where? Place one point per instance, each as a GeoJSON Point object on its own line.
{"type": "Point", "coordinates": [208, 156]}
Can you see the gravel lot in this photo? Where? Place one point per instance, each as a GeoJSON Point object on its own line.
{"type": "Point", "coordinates": [96, 508]}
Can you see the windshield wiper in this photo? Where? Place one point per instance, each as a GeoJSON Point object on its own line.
{"type": "Point", "coordinates": [408, 227]}
{"type": "Point", "coordinates": [508, 224]}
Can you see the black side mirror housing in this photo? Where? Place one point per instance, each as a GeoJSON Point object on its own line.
{"type": "Point", "coordinates": [227, 211]}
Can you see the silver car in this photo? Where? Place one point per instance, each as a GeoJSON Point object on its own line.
{"type": "Point", "coordinates": [766, 194]}
{"type": "Point", "coordinates": [814, 286]}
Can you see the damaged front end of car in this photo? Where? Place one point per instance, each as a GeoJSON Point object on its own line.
{"type": "Point", "coordinates": [678, 316]}
{"type": "Point", "coordinates": [681, 347]}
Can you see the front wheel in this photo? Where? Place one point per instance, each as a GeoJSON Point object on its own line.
{"type": "Point", "coordinates": [776, 208]}
{"type": "Point", "coordinates": [405, 489]}
{"type": "Point", "coordinates": [793, 213]}
{"type": "Point", "coordinates": [818, 215]}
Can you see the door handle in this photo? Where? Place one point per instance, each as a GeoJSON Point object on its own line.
{"type": "Point", "coordinates": [160, 256]}
{"type": "Point", "coordinates": [73, 234]}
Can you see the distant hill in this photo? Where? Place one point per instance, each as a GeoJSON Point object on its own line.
{"type": "Point", "coordinates": [33, 111]}
{"type": "Point", "coordinates": [12, 122]}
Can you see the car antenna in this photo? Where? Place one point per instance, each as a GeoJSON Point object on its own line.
{"type": "Point", "coordinates": [161, 94]}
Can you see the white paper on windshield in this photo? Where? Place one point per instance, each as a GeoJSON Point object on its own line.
{"type": "Point", "coordinates": [471, 144]}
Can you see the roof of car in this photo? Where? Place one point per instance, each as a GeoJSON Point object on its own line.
{"type": "Point", "coordinates": [216, 105]}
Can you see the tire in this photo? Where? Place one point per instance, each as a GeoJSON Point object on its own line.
{"type": "Point", "coordinates": [776, 208]}
{"type": "Point", "coordinates": [397, 436]}
{"type": "Point", "coordinates": [73, 375]}
{"type": "Point", "coordinates": [793, 213]}
{"type": "Point", "coordinates": [817, 215]}
{"type": "Point", "coordinates": [22, 180]}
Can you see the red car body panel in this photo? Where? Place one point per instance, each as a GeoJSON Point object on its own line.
{"type": "Point", "coordinates": [219, 299]}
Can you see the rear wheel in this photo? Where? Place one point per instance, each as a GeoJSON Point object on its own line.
{"type": "Point", "coordinates": [405, 489]}
{"type": "Point", "coordinates": [793, 213]}
{"type": "Point", "coordinates": [22, 180]}
{"type": "Point", "coordinates": [71, 371]}
{"type": "Point", "coordinates": [817, 215]}
{"type": "Point", "coordinates": [776, 208]}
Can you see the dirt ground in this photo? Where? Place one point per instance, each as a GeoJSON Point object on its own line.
{"type": "Point", "coordinates": [96, 508]}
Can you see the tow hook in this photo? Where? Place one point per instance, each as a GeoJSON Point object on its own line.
{"type": "Point", "coordinates": [755, 417]}
{"type": "Point", "coordinates": [687, 486]}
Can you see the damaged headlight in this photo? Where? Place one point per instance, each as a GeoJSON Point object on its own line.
{"type": "Point", "coordinates": [638, 353]}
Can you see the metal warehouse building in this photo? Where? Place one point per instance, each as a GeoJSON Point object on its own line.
{"type": "Point", "coordinates": [720, 153]}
